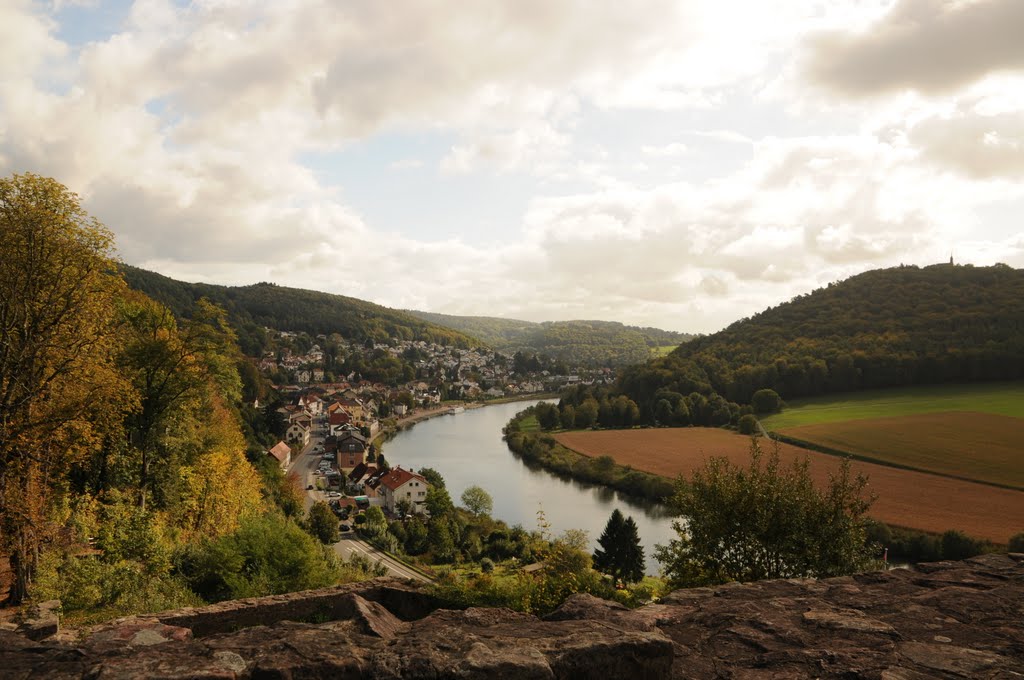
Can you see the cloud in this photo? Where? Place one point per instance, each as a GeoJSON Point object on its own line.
{"type": "Point", "coordinates": [978, 146]}
{"type": "Point", "coordinates": [930, 46]}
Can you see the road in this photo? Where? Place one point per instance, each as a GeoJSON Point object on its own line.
{"type": "Point", "coordinates": [304, 465]}
{"type": "Point", "coordinates": [350, 544]}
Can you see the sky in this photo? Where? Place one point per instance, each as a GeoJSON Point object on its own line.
{"type": "Point", "coordinates": [678, 164]}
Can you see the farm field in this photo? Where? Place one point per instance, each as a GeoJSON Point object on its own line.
{"type": "Point", "coordinates": [905, 497]}
{"type": "Point", "coordinates": [1005, 399]}
{"type": "Point", "coordinates": [978, 446]}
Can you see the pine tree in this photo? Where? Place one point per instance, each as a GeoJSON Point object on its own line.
{"type": "Point", "coordinates": [620, 554]}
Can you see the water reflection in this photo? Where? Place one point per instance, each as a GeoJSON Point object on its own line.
{"type": "Point", "coordinates": [467, 449]}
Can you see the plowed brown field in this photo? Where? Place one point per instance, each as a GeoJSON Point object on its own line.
{"type": "Point", "coordinates": [979, 446]}
{"type": "Point", "coordinates": [905, 498]}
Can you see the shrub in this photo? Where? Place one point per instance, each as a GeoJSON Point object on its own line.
{"type": "Point", "coordinates": [747, 424]}
{"type": "Point", "coordinates": [487, 565]}
{"type": "Point", "coordinates": [1016, 543]}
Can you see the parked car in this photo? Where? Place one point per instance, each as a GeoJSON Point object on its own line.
{"type": "Point", "coordinates": [344, 513]}
{"type": "Point", "coordinates": [333, 494]}
{"type": "Point", "coordinates": [309, 487]}
{"type": "Point", "coordinates": [344, 527]}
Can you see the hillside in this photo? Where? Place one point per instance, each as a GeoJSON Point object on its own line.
{"type": "Point", "coordinates": [597, 343]}
{"type": "Point", "coordinates": [884, 328]}
{"type": "Point", "coordinates": [292, 309]}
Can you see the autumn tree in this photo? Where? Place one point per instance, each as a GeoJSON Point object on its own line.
{"type": "Point", "coordinates": [766, 521]}
{"type": "Point", "coordinates": [620, 554]}
{"type": "Point", "coordinates": [59, 390]}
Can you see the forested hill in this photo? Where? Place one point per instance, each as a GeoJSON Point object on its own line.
{"type": "Point", "coordinates": [291, 309]}
{"type": "Point", "coordinates": [596, 343]}
{"type": "Point", "coordinates": [888, 327]}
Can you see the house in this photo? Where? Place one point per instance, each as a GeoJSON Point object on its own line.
{"type": "Point", "coordinates": [398, 484]}
{"type": "Point", "coordinates": [283, 453]}
{"type": "Point", "coordinates": [298, 431]}
{"type": "Point", "coordinates": [351, 442]}
{"type": "Point", "coordinates": [348, 460]}
{"type": "Point", "coordinates": [311, 404]}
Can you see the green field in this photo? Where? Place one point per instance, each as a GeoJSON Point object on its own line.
{"type": "Point", "coordinates": [1005, 399]}
{"type": "Point", "coordinates": [662, 350]}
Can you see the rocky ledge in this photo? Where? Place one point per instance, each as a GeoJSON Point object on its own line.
{"type": "Point", "coordinates": [941, 620]}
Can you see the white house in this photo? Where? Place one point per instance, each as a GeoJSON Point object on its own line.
{"type": "Point", "coordinates": [398, 484]}
{"type": "Point", "coordinates": [282, 453]}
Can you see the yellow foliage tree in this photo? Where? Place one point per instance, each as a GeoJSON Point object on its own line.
{"type": "Point", "coordinates": [60, 394]}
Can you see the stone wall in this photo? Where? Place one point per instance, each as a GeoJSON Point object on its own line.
{"type": "Point", "coordinates": [942, 620]}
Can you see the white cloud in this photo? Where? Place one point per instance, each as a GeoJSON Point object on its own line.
{"type": "Point", "coordinates": [186, 131]}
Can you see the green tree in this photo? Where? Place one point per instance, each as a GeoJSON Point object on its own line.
{"type": "Point", "coordinates": [477, 501]}
{"type": "Point", "coordinates": [766, 521]}
{"type": "Point", "coordinates": [433, 477]}
{"type": "Point", "coordinates": [440, 540]}
{"type": "Point", "coordinates": [620, 554]}
{"type": "Point", "coordinates": [60, 395]}
{"type": "Point", "coordinates": [438, 502]}
{"type": "Point", "coordinates": [766, 401]}
{"type": "Point", "coordinates": [586, 413]}
{"type": "Point", "coordinates": [747, 424]}
{"type": "Point", "coordinates": [547, 416]}
{"type": "Point", "coordinates": [322, 523]}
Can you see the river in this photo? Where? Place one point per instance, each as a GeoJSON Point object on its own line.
{"type": "Point", "coordinates": [467, 449]}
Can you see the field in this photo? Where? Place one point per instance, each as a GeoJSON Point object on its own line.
{"type": "Point", "coordinates": [662, 350]}
{"type": "Point", "coordinates": [905, 498]}
{"type": "Point", "coordinates": [978, 446]}
{"type": "Point", "coordinates": [1005, 399]}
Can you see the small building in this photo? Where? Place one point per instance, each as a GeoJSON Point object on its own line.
{"type": "Point", "coordinates": [398, 484]}
{"type": "Point", "coordinates": [282, 453]}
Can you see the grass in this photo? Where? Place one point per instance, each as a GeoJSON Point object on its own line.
{"type": "Point", "coordinates": [662, 350]}
{"type": "Point", "coordinates": [980, 447]}
{"type": "Point", "coordinates": [1005, 399]}
{"type": "Point", "coordinates": [529, 424]}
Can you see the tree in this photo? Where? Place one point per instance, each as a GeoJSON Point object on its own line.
{"type": "Point", "coordinates": [765, 401]}
{"type": "Point", "coordinates": [433, 477]}
{"type": "Point", "coordinates": [586, 413]}
{"type": "Point", "coordinates": [547, 415]}
{"type": "Point", "coordinates": [322, 524]}
{"type": "Point", "coordinates": [477, 501]}
{"type": "Point", "coordinates": [438, 502]}
{"type": "Point", "coordinates": [620, 554]}
{"type": "Point", "coordinates": [747, 424]}
{"type": "Point", "coordinates": [766, 521]}
{"type": "Point", "coordinates": [60, 395]}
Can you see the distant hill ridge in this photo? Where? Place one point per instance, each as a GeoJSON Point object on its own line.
{"type": "Point", "coordinates": [293, 309]}
{"type": "Point", "coordinates": [585, 341]}
{"type": "Point", "coordinates": [900, 326]}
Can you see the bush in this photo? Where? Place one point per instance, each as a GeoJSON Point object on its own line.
{"type": "Point", "coordinates": [266, 555]}
{"type": "Point", "coordinates": [747, 424]}
{"type": "Point", "coordinates": [956, 545]}
{"type": "Point", "coordinates": [1016, 543]}
{"type": "Point", "coordinates": [487, 565]}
